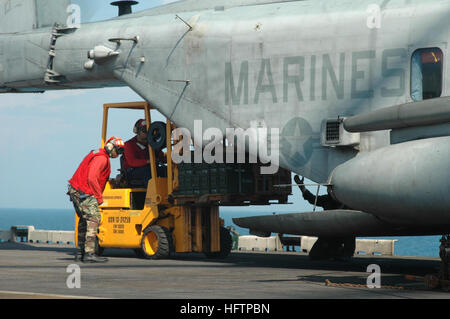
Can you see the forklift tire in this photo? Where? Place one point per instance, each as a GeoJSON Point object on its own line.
{"type": "Point", "coordinates": [156, 242]}
{"type": "Point", "coordinates": [156, 137]}
{"type": "Point", "coordinates": [226, 243]}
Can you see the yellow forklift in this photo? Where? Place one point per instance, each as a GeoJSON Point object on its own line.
{"type": "Point", "coordinates": [162, 217]}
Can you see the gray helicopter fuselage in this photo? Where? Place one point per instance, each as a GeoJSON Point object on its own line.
{"type": "Point", "coordinates": [289, 65]}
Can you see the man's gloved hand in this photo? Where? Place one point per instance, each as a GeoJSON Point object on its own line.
{"type": "Point", "coordinates": [298, 180]}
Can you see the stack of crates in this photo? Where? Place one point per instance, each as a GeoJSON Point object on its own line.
{"type": "Point", "coordinates": [219, 178]}
{"type": "Point", "coordinates": [215, 178]}
{"type": "Point", "coordinates": [268, 184]}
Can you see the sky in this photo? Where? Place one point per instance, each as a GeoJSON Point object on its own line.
{"type": "Point", "coordinates": [44, 137]}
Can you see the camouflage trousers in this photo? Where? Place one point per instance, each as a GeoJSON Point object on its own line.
{"type": "Point", "coordinates": [87, 210]}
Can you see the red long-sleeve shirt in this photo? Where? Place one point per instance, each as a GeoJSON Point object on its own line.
{"type": "Point", "coordinates": [94, 176]}
{"type": "Point", "coordinates": [135, 154]}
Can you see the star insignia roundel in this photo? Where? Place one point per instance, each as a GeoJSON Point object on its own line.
{"type": "Point", "coordinates": [296, 142]}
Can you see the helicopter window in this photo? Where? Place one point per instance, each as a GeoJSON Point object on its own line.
{"type": "Point", "coordinates": [426, 74]}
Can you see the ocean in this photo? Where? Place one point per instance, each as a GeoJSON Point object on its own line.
{"type": "Point", "coordinates": [63, 219]}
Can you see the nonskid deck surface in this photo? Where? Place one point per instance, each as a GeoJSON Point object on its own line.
{"type": "Point", "coordinates": [49, 272]}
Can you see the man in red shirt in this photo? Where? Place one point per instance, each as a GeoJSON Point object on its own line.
{"type": "Point", "coordinates": [85, 190]}
{"type": "Point", "coordinates": [136, 156]}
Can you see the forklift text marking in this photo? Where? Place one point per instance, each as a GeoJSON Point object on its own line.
{"type": "Point", "coordinates": [121, 220]}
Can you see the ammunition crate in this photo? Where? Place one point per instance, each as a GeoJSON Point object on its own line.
{"type": "Point", "coordinates": [197, 179]}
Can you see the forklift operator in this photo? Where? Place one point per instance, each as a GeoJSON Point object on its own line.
{"type": "Point", "coordinates": [136, 157]}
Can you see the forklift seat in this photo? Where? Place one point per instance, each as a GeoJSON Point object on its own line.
{"type": "Point", "coordinates": [130, 183]}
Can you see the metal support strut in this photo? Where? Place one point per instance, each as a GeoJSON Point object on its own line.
{"type": "Point", "coordinates": [444, 253]}
{"type": "Point", "coordinates": [52, 77]}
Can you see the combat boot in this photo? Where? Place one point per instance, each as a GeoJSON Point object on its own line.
{"type": "Point", "coordinates": [92, 258]}
{"type": "Point", "coordinates": [79, 255]}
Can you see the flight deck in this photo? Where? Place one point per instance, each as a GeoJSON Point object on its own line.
{"type": "Point", "coordinates": [45, 271]}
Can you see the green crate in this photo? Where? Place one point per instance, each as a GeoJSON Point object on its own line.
{"type": "Point", "coordinates": [221, 178]}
